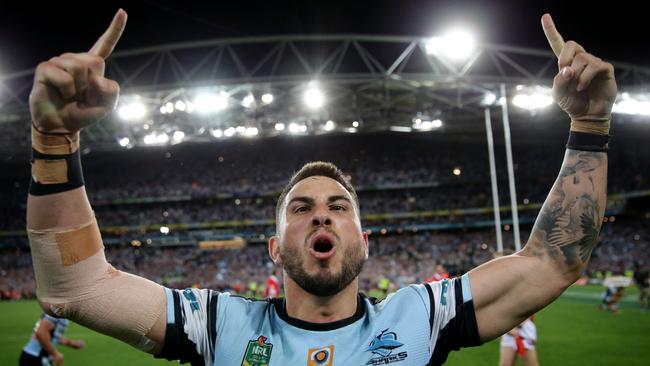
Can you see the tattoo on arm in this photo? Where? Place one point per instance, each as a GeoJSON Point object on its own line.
{"type": "Point", "coordinates": [567, 228]}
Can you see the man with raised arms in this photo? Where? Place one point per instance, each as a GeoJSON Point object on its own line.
{"type": "Point", "coordinates": [319, 243]}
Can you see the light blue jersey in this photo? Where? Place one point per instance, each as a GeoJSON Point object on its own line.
{"type": "Point", "coordinates": [33, 347]}
{"type": "Point", "coordinates": [418, 325]}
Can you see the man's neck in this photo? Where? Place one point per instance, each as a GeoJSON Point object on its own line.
{"type": "Point", "coordinates": [316, 309]}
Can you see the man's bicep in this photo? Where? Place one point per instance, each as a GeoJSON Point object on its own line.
{"type": "Point", "coordinates": [158, 331]}
{"type": "Point", "coordinates": [507, 290]}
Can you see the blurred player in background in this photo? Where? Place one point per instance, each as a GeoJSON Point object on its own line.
{"type": "Point", "coordinates": [642, 282]}
{"type": "Point", "coordinates": [520, 341]}
{"type": "Point", "coordinates": [272, 288]}
{"type": "Point", "coordinates": [441, 274]}
{"type": "Point", "coordinates": [611, 298]}
{"type": "Point", "coordinates": [41, 348]}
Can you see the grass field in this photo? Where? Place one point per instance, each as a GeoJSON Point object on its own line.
{"type": "Point", "coordinates": [571, 332]}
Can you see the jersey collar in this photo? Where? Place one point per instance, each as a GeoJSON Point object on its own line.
{"type": "Point", "coordinates": [281, 309]}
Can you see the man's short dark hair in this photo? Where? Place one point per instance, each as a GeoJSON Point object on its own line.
{"type": "Point", "coordinates": [316, 168]}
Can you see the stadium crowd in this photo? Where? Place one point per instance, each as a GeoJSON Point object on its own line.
{"type": "Point", "coordinates": [193, 184]}
{"type": "Point", "coordinates": [213, 182]}
{"type": "Point", "coordinates": [201, 183]}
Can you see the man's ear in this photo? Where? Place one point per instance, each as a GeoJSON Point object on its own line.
{"type": "Point", "coordinates": [274, 249]}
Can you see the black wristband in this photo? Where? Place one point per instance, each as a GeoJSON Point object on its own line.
{"type": "Point", "coordinates": [75, 177]}
{"type": "Point", "coordinates": [588, 142]}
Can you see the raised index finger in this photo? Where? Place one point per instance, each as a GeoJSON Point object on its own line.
{"type": "Point", "coordinates": [106, 43]}
{"type": "Point", "coordinates": [552, 35]}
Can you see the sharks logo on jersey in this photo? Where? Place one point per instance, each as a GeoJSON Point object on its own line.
{"type": "Point", "coordinates": [383, 346]}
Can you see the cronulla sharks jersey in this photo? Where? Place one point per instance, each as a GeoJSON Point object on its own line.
{"type": "Point", "coordinates": [417, 325]}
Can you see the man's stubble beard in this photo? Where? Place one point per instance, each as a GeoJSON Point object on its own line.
{"type": "Point", "coordinates": [324, 283]}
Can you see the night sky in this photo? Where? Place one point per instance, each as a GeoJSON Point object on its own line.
{"type": "Point", "coordinates": [34, 31]}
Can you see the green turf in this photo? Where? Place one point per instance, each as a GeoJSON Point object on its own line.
{"type": "Point", "coordinates": [571, 332]}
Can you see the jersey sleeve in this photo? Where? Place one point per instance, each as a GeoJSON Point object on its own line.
{"type": "Point", "coordinates": [191, 326]}
{"type": "Point", "coordinates": [50, 319]}
{"type": "Point", "coordinates": [451, 317]}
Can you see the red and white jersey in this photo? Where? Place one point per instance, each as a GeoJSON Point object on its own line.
{"type": "Point", "coordinates": [527, 331]}
{"type": "Point", "coordinates": [272, 287]}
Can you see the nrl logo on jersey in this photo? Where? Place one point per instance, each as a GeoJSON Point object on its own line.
{"type": "Point", "coordinates": [383, 346]}
{"type": "Point", "coordinates": [258, 352]}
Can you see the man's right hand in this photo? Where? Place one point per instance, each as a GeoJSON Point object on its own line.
{"type": "Point", "coordinates": [57, 358]}
{"type": "Point", "coordinates": [70, 91]}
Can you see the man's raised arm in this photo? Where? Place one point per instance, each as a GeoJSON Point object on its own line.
{"type": "Point", "coordinates": [74, 280]}
{"type": "Point", "coordinates": [508, 289]}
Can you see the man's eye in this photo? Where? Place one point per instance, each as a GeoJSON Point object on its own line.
{"type": "Point", "coordinates": [301, 209]}
{"type": "Point", "coordinates": [338, 208]}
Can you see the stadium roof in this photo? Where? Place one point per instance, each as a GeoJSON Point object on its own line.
{"type": "Point", "coordinates": [171, 56]}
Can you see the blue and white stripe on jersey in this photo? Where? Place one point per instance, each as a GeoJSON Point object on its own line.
{"type": "Point", "coordinates": [453, 320]}
{"type": "Point", "coordinates": [191, 326]}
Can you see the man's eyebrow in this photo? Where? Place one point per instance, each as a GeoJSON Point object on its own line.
{"type": "Point", "coordinates": [331, 199]}
{"type": "Point", "coordinates": [311, 201]}
{"type": "Point", "coordinates": [303, 199]}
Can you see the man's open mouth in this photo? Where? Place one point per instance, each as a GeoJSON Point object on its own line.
{"type": "Point", "coordinates": [322, 246]}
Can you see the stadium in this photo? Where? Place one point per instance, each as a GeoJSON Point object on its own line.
{"type": "Point", "coordinates": [452, 151]}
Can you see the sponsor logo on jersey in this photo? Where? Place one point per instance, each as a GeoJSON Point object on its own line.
{"type": "Point", "coordinates": [258, 352]}
{"type": "Point", "coordinates": [385, 348]}
{"type": "Point", "coordinates": [323, 356]}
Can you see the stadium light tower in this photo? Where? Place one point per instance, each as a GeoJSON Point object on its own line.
{"type": "Point", "coordinates": [532, 98]}
{"type": "Point", "coordinates": [180, 105]}
{"type": "Point", "coordinates": [329, 125]}
{"type": "Point", "coordinates": [133, 109]}
{"type": "Point", "coordinates": [634, 104]}
{"type": "Point", "coordinates": [314, 96]}
{"type": "Point", "coordinates": [211, 102]}
{"type": "Point", "coordinates": [267, 98]}
{"type": "Point", "coordinates": [456, 45]}
{"type": "Point", "coordinates": [248, 101]}
{"type": "Point", "coordinates": [178, 136]}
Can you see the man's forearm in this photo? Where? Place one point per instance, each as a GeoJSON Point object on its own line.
{"type": "Point", "coordinates": [60, 210]}
{"type": "Point", "coordinates": [57, 197]}
{"type": "Point", "coordinates": [46, 342]}
{"type": "Point", "coordinates": [568, 225]}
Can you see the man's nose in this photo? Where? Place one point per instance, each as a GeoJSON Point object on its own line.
{"type": "Point", "coordinates": [321, 219]}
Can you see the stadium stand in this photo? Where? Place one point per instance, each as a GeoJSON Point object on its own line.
{"type": "Point", "coordinates": [418, 212]}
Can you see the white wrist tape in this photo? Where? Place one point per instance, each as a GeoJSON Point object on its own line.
{"type": "Point", "coordinates": [75, 281]}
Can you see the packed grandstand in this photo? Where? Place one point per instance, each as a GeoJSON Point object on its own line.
{"type": "Point", "coordinates": [425, 199]}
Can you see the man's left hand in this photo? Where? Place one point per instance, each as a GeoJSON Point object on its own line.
{"type": "Point", "coordinates": [585, 87]}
